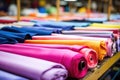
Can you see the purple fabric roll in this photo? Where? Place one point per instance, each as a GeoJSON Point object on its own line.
{"type": "Point", "coordinates": [104, 34]}
{"type": "Point", "coordinates": [35, 69]}
{"type": "Point", "coordinates": [9, 76]}
{"type": "Point", "coordinates": [74, 62]}
{"type": "Point", "coordinates": [118, 44]}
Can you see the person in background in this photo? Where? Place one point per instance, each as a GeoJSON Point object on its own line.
{"type": "Point", "coordinates": [12, 9]}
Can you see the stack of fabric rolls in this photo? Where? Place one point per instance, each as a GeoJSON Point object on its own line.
{"type": "Point", "coordinates": [50, 50]}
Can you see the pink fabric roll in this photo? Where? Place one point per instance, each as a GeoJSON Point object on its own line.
{"type": "Point", "coordinates": [74, 62]}
{"type": "Point", "coordinates": [34, 69]}
{"type": "Point", "coordinates": [89, 54]}
{"type": "Point", "coordinates": [108, 41]}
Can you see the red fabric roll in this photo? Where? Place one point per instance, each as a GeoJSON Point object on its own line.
{"type": "Point", "coordinates": [74, 62]}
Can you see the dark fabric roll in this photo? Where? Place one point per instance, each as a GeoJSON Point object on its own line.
{"type": "Point", "coordinates": [55, 30]}
{"type": "Point", "coordinates": [28, 30]}
{"type": "Point", "coordinates": [14, 37]}
{"type": "Point", "coordinates": [80, 21]}
{"type": "Point", "coordinates": [4, 40]}
{"type": "Point", "coordinates": [96, 20]}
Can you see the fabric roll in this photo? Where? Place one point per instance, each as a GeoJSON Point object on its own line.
{"type": "Point", "coordinates": [104, 34]}
{"type": "Point", "coordinates": [34, 69]}
{"type": "Point", "coordinates": [74, 62]}
{"type": "Point", "coordinates": [24, 23]}
{"type": "Point", "coordinates": [27, 30]}
{"type": "Point", "coordinates": [96, 20]}
{"type": "Point", "coordinates": [109, 35]}
{"type": "Point", "coordinates": [98, 25]}
{"type": "Point", "coordinates": [92, 20]}
{"type": "Point", "coordinates": [89, 54]}
{"type": "Point", "coordinates": [55, 30]}
{"type": "Point", "coordinates": [87, 32]}
{"type": "Point", "coordinates": [62, 24]}
{"type": "Point", "coordinates": [115, 31]}
{"type": "Point", "coordinates": [109, 43]}
{"type": "Point", "coordinates": [98, 46]}
{"type": "Point", "coordinates": [4, 40]}
{"type": "Point", "coordinates": [52, 24]}
{"type": "Point", "coordinates": [9, 76]}
{"type": "Point", "coordinates": [14, 37]}
{"type": "Point", "coordinates": [38, 31]}
{"type": "Point", "coordinates": [113, 23]}
{"type": "Point", "coordinates": [7, 21]}
{"type": "Point", "coordinates": [118, 44]}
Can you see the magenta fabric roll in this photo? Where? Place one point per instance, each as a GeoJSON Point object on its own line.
{"type": "Point", "coordinates": [34, 69]}
{"type": "Point", "coordinates": [74, 62]}
{"type": "Point", "coordinates": [89, 54]}
{"type": "Point", "coordinates": [109, 42]}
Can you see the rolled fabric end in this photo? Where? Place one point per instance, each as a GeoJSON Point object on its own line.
{"type": "Point", "coordinates": [59, 74]}
{"type": "Point", "coordinates": [81, 71]}
{"type": "Point", "coordinates": [111, 48]}
{"type": "Point", "coordinates": [118, 44]}
{"type": "Point", "coordinates": [91, 57]}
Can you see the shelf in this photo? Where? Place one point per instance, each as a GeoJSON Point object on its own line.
{"type": "Point", "coordinates": [103, 68]}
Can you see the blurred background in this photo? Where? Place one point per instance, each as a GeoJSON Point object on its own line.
{"type": "Point", "coordinates": [31, 7]}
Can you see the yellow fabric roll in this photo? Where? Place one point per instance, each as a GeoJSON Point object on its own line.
{"type": "Point", "coordinates": [100, 25]}
{"type": "Point", "coordinates": [98, 46]}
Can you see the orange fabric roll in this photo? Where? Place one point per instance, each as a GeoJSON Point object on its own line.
{"type": "Point", "coordinates": [98, 46]}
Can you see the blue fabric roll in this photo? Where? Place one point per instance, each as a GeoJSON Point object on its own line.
{"type": "Point", "coordinates": [55, 30]}
{"type": "Point", "coordinates": [14, 37]}
{"type": "Point", "coordinates": [96, 20]}
{"type": "Point", "coordinates": [9, 76]}
{"type": "Point", "coordinates": [115, 16]}
{"type": "Point", "coordinates": [63, 25]}
{"type": "Point", "coordinates": [52, 24]}
{"type": "Point", "coordinates": [4, 40]}
{"type": "Point", "coordinates": [28, 30]}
